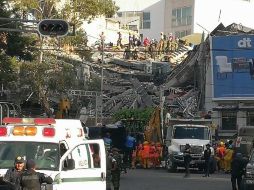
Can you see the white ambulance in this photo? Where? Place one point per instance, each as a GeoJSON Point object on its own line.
{"type": "Point", "coordinates": [59, 148]}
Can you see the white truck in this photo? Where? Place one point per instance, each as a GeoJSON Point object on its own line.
{"type": "Point", "coordinates": [59, 148]}
{"type": "Point", "coordinates": [179, 132]}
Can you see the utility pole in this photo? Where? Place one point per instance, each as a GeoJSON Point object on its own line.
{"type": "Point", "coordinates": [102, 62]}
{"type": "Point", "coordinates": [162, 100]}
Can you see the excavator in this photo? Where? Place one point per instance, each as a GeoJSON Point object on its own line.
{"type": "Point", "coordinates": [153, 131]}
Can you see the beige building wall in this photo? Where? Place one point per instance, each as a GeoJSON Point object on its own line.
{"type": "Point", "coordinates": [174, 4]}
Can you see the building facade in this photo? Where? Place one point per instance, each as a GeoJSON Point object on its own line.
{"type": "Point", "coordinates": [145, 15]}
{"type": "Point", "coordinates": [230, 83]}
{"type": "Point", "coordinates": [195, 16]}
{"type": "Point", "coordinates": [182, 18]}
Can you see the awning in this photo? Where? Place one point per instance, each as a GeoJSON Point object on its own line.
{"type": "Point", "coordinates": [226, 108]}
{"type": "Point", "coordinates": [246, 108]}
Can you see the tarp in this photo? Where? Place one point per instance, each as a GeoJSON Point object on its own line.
{"type": "Point", "coordinates": [195, 38]}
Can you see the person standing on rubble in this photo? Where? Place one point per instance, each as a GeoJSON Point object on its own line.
{"type": "Point", "coordinates": [119, 40]}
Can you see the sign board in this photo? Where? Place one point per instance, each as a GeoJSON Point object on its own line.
{"type": "Point", "coordinates": [232, 60]}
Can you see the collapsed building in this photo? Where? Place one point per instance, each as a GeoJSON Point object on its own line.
{"type": "Point", "coordinates": [208, 78]}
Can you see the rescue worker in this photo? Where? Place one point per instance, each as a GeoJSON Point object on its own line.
{"type": "Point", "coordinates": [158, 155]}
{"type": "Point", "coordinates": [139, 154]}
{"type": "Point", "coordinates": [152, 154]}
{"type": "Point", "coordinates": [237, 170]}
{"type": "Point", "coordinates": [116, 168]}
{"type": "Point", "coordinates": [221, 153]}
{"type": "Point", "coordinates": [12, 176]}
{"type": "Point", "coordinates": [228, 158]}
{"type": "Point", "coordinates": [32, 180]}
{"type": "Point", "coordinates": [134, 158]}
{"type": "Point", "coordinates": [207, 157]}
{"type": "Point", "coordinates": [145, 155]}
{"type": "Point", "coordinates": [187, 159]}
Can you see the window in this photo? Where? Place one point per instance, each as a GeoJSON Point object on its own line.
{"type": "Point", "coordinates": [119, 14]}
{"type": "Point", "coordinates": [180, 34]}
{"type": "Point", "coordinates": [183, 132]}
{"type": "Point", "coordinates": [146, 20]}
{"type": "Point", "coordinates": [46, 155]}
{"type": "Point", "coordinates": [86, 156]}
{"type": "Point", "coordinates": [182, 16]}
{"type": "Point", "coordinates": [250, 118]}
{"type": "Point", "coordinates": [228, 120]}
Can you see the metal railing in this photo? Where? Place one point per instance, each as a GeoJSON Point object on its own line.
{"type": "Point", "coordinates": [8, 109]}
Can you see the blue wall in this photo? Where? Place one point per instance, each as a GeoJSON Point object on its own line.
{"type": "Point", "coordinates": [233, 67]}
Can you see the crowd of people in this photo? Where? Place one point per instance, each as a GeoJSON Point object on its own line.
{"type": "Point", "coordinates": [225, 158]}
{"type": "Point", "coordinates": [166, 44]}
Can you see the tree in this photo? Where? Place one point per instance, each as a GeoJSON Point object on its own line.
{"type": "Point", "coordinates": [138, 114]}
{"type": "Point", "coordinates": [75, 12]}
{"type": "Point", "coordinates": [52, 76]}
{"type": "Point", "coordinates": [14, 43]}
{"type": "Point", "coordinates": [14, 47]}
{"type": "Point", "coordinates": [8, 70]}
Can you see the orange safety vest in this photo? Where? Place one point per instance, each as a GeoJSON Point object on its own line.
{"type": "Point", "coordinates": [145, 151]}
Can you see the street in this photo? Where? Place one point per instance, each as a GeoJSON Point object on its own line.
{"type": "Point", "coordinates": [160, 179]}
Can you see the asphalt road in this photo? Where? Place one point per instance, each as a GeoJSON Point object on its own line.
{"type": "Point", "coordinates": [160, 179]}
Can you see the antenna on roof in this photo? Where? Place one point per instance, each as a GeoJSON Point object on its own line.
{"type": "Point", "coordinates": [219, 16]}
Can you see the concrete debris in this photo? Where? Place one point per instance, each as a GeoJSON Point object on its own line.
{"type": "Point", "coordinates": [135, 77]}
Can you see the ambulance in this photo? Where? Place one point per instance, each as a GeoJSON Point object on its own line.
{"type": "Point", "coordinates": [59, 148]}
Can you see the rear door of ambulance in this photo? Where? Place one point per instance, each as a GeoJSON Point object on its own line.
{"type": "Point", "coordinates": [88, 170]}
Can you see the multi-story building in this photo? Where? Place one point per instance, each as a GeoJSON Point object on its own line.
{"type": "Point", "coordinates": [147, 16]}
{"type": "Point", "coordinates": [195, 16]}
{"type": "Point", "coordinates": [230, 82]}
{"type": "Point", "coordinates": [183, 17]}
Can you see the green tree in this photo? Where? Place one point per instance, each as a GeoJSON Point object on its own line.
{"type": "Point", "coordinates": [14, 43]}
{"type": "Point", "coordinates": [137, 114]}
{"type": "Point", "coordinates": [52, 76]}
{"type": "Point", "coordinates": [8, 70]}
{"type": "Point", "coordinates": [75, 12]}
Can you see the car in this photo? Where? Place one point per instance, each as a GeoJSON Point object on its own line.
{"type": "Point", "coordinates": [248, 180]}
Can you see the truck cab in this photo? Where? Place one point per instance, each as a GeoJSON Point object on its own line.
{"type": "Point", "coordinates": [59, 148]}
{"type": "Point", "coordinates": [178, 135]}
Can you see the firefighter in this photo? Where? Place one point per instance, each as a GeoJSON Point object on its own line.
{"type": "Point", "coordinates": [139, 153]}
{"type": "Point", "coordinates": [12, 176]}
{"type": "Point", "coordinates": [152, 154]}
{"type": "Point", "coordinates": [228, 159]}
{"type": "Point", "coordinates": [221, 153]}
{"type": "Point", "coordinates": [158, 154]}
{"type": "Point", "coordinates": [145, 155]}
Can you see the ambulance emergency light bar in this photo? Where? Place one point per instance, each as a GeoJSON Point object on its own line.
{"type": "Point", "coordinates": [20, 128]}
{"type": "Point", "coordinates": [35, 121]}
